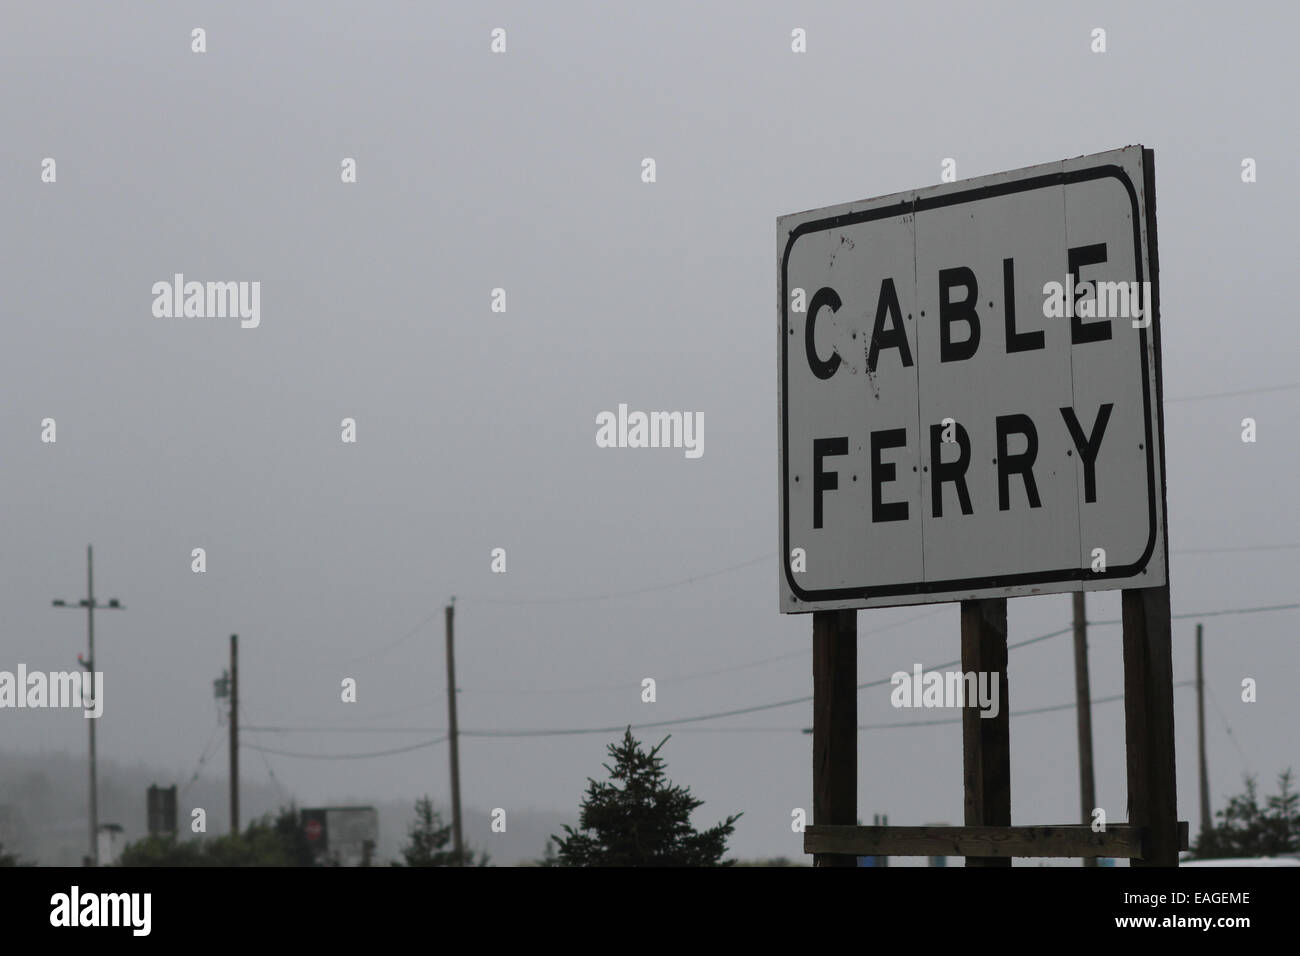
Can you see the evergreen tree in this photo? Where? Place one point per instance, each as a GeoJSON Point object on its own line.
{"type": "Point", "coordinates": [1247, 829]}
{"type": "Point", "coordinates": [1284, 816]}
{"type": "Point", "coordinates": [428, 837]}
{"type": "Point", "coordinates": [640, 818]}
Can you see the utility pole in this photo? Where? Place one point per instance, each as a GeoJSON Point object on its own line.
{"type": "Point", "coordinates": [1083, 709]}
{"type": "Point", "coordinates": [88, 664]}
{"type": "Point", "coordinates": [1206, 820]}
{"type": "Point", "coordinates": [234, 734]}
{"type": "Point", "coordinates": [455, 750]}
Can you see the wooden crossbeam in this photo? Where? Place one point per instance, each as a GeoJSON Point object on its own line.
{"type": "Point", "coordinates": [1120, 841]}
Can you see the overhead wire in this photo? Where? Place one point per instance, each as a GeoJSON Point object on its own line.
{"type": "Point", "coordinates": [1245, 761]}
{"type": "Point", "coordinates": [773, 705]}
{"type": "Point", "coordinates": [382, 650]}
{"type": "Point", "coordinates": [1015, 713]}
{"type": "Point", "coordinates": [360, 756]}
{"type": "Point", "coordinates": [265, 763]}
{"type": "Point", "coordinates": [1243, 391]}
{"type": "Point", "coordinates": [203, 757]}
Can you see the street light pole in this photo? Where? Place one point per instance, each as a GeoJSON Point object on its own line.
{"type": "Point", "coordinates": [88, 664]}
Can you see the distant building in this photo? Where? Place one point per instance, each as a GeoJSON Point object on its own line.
{"type": "Point", "coordinates": [111, 843]}
{"type": "Point", "coordinates": [341, 836]}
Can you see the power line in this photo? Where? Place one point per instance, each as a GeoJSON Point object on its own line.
{"type": "Point", "coordinates": [585, 599]}
{"type": "Point", "coordinates": [737, 730]}
{"type": "Point", "coordinates": [1220, 613]}
{"type": "Point", "coordinates": [425, 730]}
{"type": "Point", "coordinates": [203, 756]}
{"type": "Point", "coordinates": [1015, 713]}
{"type": "Point", "coordinates": [884, 726]}
{"type": "Point", "coordinates": [622, 686]}
{"type": "Point", "coordinates": [265, 763]}
{"type": "Point", "coordinates": [362, 756]}
{"type": "Point", "coordinates": [1234, 610]}
{"type": "Point", "coordinates": [432, 701]}
{"type": "Point", "coordinates": [274, 779]}
{"type": "Point", "coordinates": [774, 705]}
{"type": "Point", "coordinates": [1010, 647]}
{"type": "Point", "coordinates": [343, 730]}
{"type": "Point", "coordinates": [361, 726]}
{"type": "Point", "coordinates": [580, 599]}
{"type": "Point", "coordinates": [381, 651]}
{"type": "Point", "coordinates": [808, 698]}
{"type": "Point", "coordinates": [1254, 547]}
{"type": "Point", "coordinates": [1243, 391]}
{"type": "Point", "coordinates": [666, 723]}
{"type": "Point", "coordinates": [1245, 761]}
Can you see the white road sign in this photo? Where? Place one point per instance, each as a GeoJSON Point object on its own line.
{"type": "Point", "coordinates": [969, 390]}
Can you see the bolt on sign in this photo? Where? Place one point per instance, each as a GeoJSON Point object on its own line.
{"type": "Point", "coordinates": [969, 390]}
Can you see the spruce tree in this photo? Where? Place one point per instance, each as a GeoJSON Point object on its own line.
{"type": "Point", "coordinates": [640, 818]}
{"type": "Point", "coordinates": [428, 839]}
{"type": "Point", "coordinates": [1247, 829]}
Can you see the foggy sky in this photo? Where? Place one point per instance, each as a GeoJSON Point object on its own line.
{"type": "Point", "coordinates": [476, 430]}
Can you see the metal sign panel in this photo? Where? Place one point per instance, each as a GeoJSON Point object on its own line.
{"type": "Point", "coordinates": [161, 810]}
{"type": "Point", "coordinates": [969, 390]}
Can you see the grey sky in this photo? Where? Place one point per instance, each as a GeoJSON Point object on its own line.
{"type": "Point", "coordinates": [476, 430]}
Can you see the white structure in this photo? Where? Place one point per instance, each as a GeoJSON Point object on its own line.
{"type": "Point", "coordinates": [111, 843]}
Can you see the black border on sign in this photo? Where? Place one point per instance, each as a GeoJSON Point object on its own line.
{"type": "Point", "coordinates": [913, 206]}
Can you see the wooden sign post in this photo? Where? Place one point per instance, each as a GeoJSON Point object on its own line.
{"type": "Point", "coordinates": [835, 724]}
{"type": "Point", "coordinates": [986, 742]}
{"type": "Point", "coordinates": [1149, 726]}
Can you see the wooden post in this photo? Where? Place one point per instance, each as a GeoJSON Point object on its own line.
{"type": "Point", "coordinates": [1083, 709]}
{"type": "Point", "coordinates": [986, 741]}
{"type": "Point", "coordinates": [1149, 723]}
{"type": "Point", "coordinates": [1148, 656]}
{"type": "Point", "coordinates": [234, 734]}
{"type": "Point", "coordinates": [458, 838]}
{"type": "Point", "coordinates": [1207, 821]}
{"type": "Point", "coordinates": [835, 725]}
{"type": "Point", "coordinates": [90, 668]}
